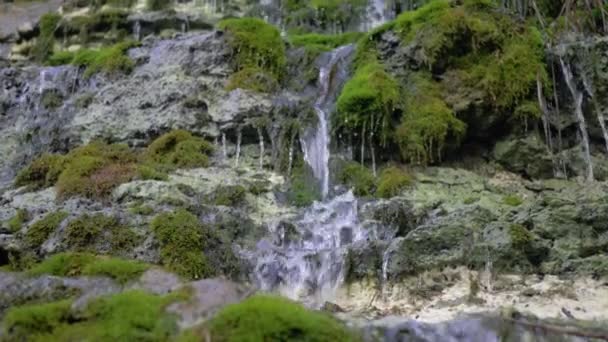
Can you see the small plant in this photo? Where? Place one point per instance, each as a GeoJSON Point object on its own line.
{"type": "Point", "coordinates": [512, 200]}
{"type": "Point", "coordinates": [230, 195]}
{"type": "Point", "coordinates": [268, 318]}
{"type": "Point", "coordinates": [16, 222]}
{"type": "Point", "coordinates": [40, 230]}
{"type": "Point", "coordinates": [85, 231]}
{"type": "Point", "coordinates": [257, 49]}
{"type": "Point", "coordinates": [82, 264]}
{"type": "Point", "coordinates": [181, 243]}
{"type": "Point", "coordinates": [359, 178]}
{"type": "Point", "coordinates": [392, 182]}
{"type": "Point", "coordinates": [45, 42]}
{"type": "Point", "coordinates": [180, 149]}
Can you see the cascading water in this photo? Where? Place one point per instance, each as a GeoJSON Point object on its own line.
{"type": "Point", "coordinates": [306, 260]}
{"type": "Point", "coordinates": [315, 144]}
{"type": "Point", "coordinates": [378, 13]}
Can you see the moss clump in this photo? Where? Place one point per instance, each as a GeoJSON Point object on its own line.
{"type": "Point", "coordinates": [82, 264]}
{"type": "Point", "coordinates": [303, 187]}
{"type": "Point", "coordinates": [110, 60]}
{"type": "Point", "coordinates": [140, 209]}
{"type": "Point", "coordinates": [179, 148]}
{"type": "Point", "coordinates": [254, 79]}
{"type": "Point", "coordinates": [16, 222]}
{"type": "Point", "coordinates": [367, 103]}
{"type": "Point", "coordinates": [267, 318]}
{"type": "Point", "coordinates": [147, 172]}
{"type": "Point", "coordinates": [46, 40]}
{"type": "Point", "coordinates": [40, 230]}
{"type": "Point", "coordinates": [512, 200]}
{"type": "Point", "coordinates": [427, 124]}
{"type": "Point", "coordinates": [392, 182]}
{"type": "Point", "coordinates": [359, 178]}
{"type": "Point", "coordinates": [182, 243]}
{"type": "Point", "coordinates": [22, 323]}
{"type": "Point", "coordinates": [87, 230]}
{"type": "Point", "coordinates": [324, 42]}
{"type": "Point", "coordinates": [128, 316]}
{"type": "Point", "coordinates": [43, 172]}
{"type": "Point", "coordinates": [256, 45]}
{"type": "Point", "coordinates": [230, 195]}
{"type": "Point", "coordinates": [158, 5]}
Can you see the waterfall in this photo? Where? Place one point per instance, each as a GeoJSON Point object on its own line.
{"type": "Point", "coordinates": [378, 13]}
{"type": "Point", "coordinates": [598, 111]}
{"type": "Point", "coordinates": [224, 150]}
{"type": "Point", "coordinates": [261, 137]}
{"type": "Point", "coordinates": [578, 111]}
{"type": "Point", "coordinates": [238, 148]}
{"type": "Point", "coordinates": [137, 30]}
{"type": "Point", "coordinates": [306, 261]}
{"type": "Point", "coordinates": [315, 143]}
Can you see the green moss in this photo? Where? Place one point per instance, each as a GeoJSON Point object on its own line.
{"type": "Point", "coordinates": [179, 148]}
{"type": "Point", "coordinates": [40, 230]}
{"type": "Point", "coordinates": [24, 322]}
{"type": "Point", "coordinates": [392, 182]}
{"type": "Point", "coordinates": [147, 172]}
{"type": "Point", "coordinates": [254, 79]}
{"type": "Point", "coordinates": [520, 236]}
{"type": "Point", "coordinates": [470, 200]}
{"type": "Point", "coordinates": [158, 5]}
{"type": "Point", "coordinates": [368, 102]}
{"type": "Point", "coordinates": [267, 318]}
{"type": "Point", "coordinates": [182, 243]}
{"type": "Point", "coordinates": [110, 60]}
{"type": "Point", "coordinates": [140, 209]}
{"type": "Point", "coordinates": [324, 42]}
{"type": "Point", "coordinates": [120, 270]}
{"type": "Point", "coordinates": [51, 100]}
{"type": "Point", "coordinates": [512, 200]}
{"type": "Point", "coordinates": [256, 45]}
{"type": "Point", "coordinates": [359, 178]}
{"type": "Point", "coordinates": [303, 187]}
{"type": "Point", "coordinates": [127, 316]}
{"type": "Point", "coordinates": [42, 172]}
{"type": "Point", "coordinates": [427, 124]}
{"type": "Point", "coordinates": [85, 231]}
{"type": "Point", "coordinates": [46, 40]}
{"type": "Point", "coordinates": [16, 222]}
{"type": "Point", "coordinates": [230, 195]}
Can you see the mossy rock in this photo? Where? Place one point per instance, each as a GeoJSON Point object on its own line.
{"type": "Point", "coordinates": [182, 242]}
{"type": "Point", "coordinates": [392, 182]}
{"type": "Point", "coordinates": [16, 222]}
{"type": "Point", "coordinates": [42, 172]}
{"type": "Point", "coordinates": [39, 231]}
{"type": "Point", "coordinates": [83, 264]}
{"type": "Point", "coordinates": [231, 195]}
{"type": "Point", "coordinates": [98, 231]}
{"type": "Point", "coordinates": [268, 318]}
{"type": "Point", "coordinates": [127, 316]}
{"type": "Point", "coordinates": [359, 178]}
{"type": "Point", "coordinates": [110, 60]}
{"type": "Point", "coordinates": [180, 149]}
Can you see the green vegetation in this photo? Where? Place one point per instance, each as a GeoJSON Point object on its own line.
{"type": "Point", "coordinates": [110, 60]}
{"type": "Point", "coordinates": [180, 149]}
{"type": "Point", "coordinates": [392, 182]}
{"type": "Point", "coordinates": [230, 195]}
{"type": "Point", "coordinates": [367, 103]}
{"type": "Point", "coordinates": [182, 243]}
{"type": "Point", "coordinates": [461, 48]}
{"type": "Point", "coordinates": [267, 318]}
{"type": "Point", "coordinates": [16, 222]}
{"type": "Point", "coordinates": [127, 316]}
{"type": "Point", "coordinates": [324, 42]}
{"type": "Point", "coordinates": [96, 169]}
{"type": "Point", "coordinates": [158, 5]}
{"type": "Point", "coordinates": [45, 42]}
{"type": "Point", "coordinates": [427, 124]}
{"type": "Point", "coordinates": [512, 200]}
{"type": "Point", "coordinates": [141, 209]}
{"type": "Point", "coordinates": [303, 187]}
{"type": "Point", "coordinates": [82, 264]}
{"type": "Point", "coordinates": [87, 230]}
{"type": "Point", "coordinates": [359, 178]}
{"type": "Point", "coordinates": [322, 15]}
{"type": "Point", "coordinates": [40, 230]}
{"type": "Point", "coordinates": [258, 53]}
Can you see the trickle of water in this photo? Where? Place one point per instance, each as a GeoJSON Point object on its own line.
{"type": "Point", "coordinates": [315, 144]}
{"type": "Point", "coordinates": [306, 261]}
{"type": "Point", "coordinates": [137, 31]}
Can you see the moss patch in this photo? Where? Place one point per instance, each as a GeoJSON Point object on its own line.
{"type": "Point", "coordinates": [128, 316]}
{"type": "Point", "coordinates": [110, 60]}
{"type": "Point", "coordinates": [512, 200]}
{"type": "Point", "coordinates": [257, 46]}
{"type": "Point", "coordinates": [180, 149]}
{"type": "Point", "coordinates": [229, 195]}
{"type": "Point", "coordinates": [303, 187]}
{"type": "Point", "coordinates": [40, 230]}
{"type": "Point", "coordinates": [359, 178]}
{"type": "Point", "coordinates": [392, 182]}
{"type": "Point", "coordinates": [82, 264]}
{"type": "Point", "coordinates": [16, 222]}
{"type": "Point", "coordinates": [267, 318]}
{"type": "Point", "coordinates": [86, 231]}
{"type": "Point", "coordinates": [182, 243]}
{"type": "Point", "coordinates": [43, 172]}
{"type": "Point", "coordinates": [46, 40]}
